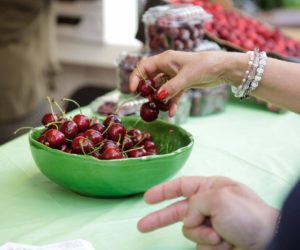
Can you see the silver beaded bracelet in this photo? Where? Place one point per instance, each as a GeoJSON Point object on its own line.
{"type": "Point", "coordinates": [253, 74]}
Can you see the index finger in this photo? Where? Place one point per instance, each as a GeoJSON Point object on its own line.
{"type": "Point", "coordinates": [185, 187]}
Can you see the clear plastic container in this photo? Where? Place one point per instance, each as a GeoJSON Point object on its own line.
{"type": "Point", "coordinates": [178, 27]}
{"type": "Point", "coordinates": [183, 111]}
{"type": "Point", "coordinates": [209, 101]}
{"type": "Point", "coordinates": [126, 63]}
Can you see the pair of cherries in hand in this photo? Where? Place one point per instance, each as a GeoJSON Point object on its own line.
{"type": "Point", "coordinates": [147, 88]}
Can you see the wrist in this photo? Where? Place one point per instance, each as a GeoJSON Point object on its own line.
{"type": "Point", "coordinates": [235, 66]}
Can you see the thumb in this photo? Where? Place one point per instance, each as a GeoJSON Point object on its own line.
{"type": "Point", "coordinates": [172, 87]}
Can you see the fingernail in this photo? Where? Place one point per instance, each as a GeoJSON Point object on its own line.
{"type": "Point", "coordinates": [162, 94]}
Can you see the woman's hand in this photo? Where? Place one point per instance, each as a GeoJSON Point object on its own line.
{"type": "Point", "coordinates": [218, 213]}
{"type": "Point", "coordinates": [189, 70]}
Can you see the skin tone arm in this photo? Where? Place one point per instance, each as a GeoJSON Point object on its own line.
{"type": "Point", "coordinates": [280, 84]}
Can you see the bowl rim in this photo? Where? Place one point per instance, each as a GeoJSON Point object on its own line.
{"type": "Point", "coordinates": [34, 142]}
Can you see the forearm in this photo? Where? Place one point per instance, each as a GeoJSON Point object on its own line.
{"type": "Point", "coordinates": [280, 83]}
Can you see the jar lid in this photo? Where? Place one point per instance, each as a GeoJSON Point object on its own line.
{"type": "Point", "coordinates": [176, 15]}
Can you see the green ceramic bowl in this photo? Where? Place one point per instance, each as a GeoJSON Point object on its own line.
{"type": "Point", "coordinates": [115, 178]}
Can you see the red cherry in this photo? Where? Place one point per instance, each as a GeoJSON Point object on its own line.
{"type": "Point", "coordinates": [94, 121]}
{"type": "Point", "coordinates": [81, 145]}
{"type": "Point", "coordinates": [108, 144]}
{"type": "Point", "coordinates": [127, 143]}
{"type": "Point", "coordinates": [98, 127]}
{"type": "Point", "coordinates": [94, 136]}
{"type": "Point", "coordinates": [42, 138]}
{"type": "Point", "coordinates": [82, 121]}
{"type": "Point", "coordinates": [149, 111]}
{"type": "Point", "coordinates": [69, 128]}
{"type": "Point", "coordinates": [65, 148]}
{"type": "Point", "coordinates": [150, 148]}
{"type": "Point", "coordinates": [111, 119]}
{"type": "Point", "coordinates": [49, 118]}
{"type": "Point", "coordinates": [96, 154]}
{"type": "Point", "coordinates": [111, 154]}
{"type": "Point", "coordinates": [54, 138]}
{"type": "Point", "coordinates": [116, 132]}
{"type": "Point", "coordinates": [146, 87]}
{"type": "Point", "coordinates": [133, 134]}
{"type": "Point", "coordinates": [138, 152]}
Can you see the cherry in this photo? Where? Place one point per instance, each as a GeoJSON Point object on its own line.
{"type": "Point", "coordinates": [94, 121]}
{"type": "Point", "coordinates": [94, 136]}
{"type": "Point", "coordinates": [69, 128]}
{"type": "Point", "coordinates": [111, 154]}
{"type": "Point", "coordinates": [149, 111]}
{"type": "Point", "coordinates": [112, 118]}
{"type": "Point", "coordinates": [127, 143]}
{"type": "Point", "coordinates": [42, 138]}
{"type": "Point", "coordinates": [163, 106]}
{"type": "Point", "coordinates": [150, 147]}
{"type": "Point", "coordinates": [96, 154]}
{"type": "Point", "coordinates": [133, 134]}
{"type": "Point", "coordinates": [49, 118]}
{"type": "Point", "coordinates": [116, 132]}
{"type": "Point", "coordinates": [81, 145]}
{"type": "Point", "coordinates": [146, 87]}
{"type": "Point", "coordinates": [82, 122]}
{"type": "Point", "coordinates": [108, 144]}
{"type": "Point", "coordinates": [65, 148]}
{"type": "Point", "coordinates": [138, 152]}
{"type": "Point", "coordinates": [54, 138]}
{"type": "Point", "coordinates": [98, 127]}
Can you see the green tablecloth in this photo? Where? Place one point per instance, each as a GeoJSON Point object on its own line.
{"type": "Point", "coordinates": [258, 148]}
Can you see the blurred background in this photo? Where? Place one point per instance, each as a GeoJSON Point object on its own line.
{"type": "Point", "coordinates": [68, 48]}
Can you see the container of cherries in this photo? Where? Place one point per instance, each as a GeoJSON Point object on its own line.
{"type": "Point", "coordinates": [177, 27]}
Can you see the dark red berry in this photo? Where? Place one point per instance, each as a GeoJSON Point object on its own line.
{"type": "Point", "coordinates": [127, 143]}
{"type": "Point", "coordinates": [138, 152]}
{"type": "Point", "coordinates": [107, 144]}
{"type": "Point", "coordinates": [149, 111]}
{"type": "Point", "coordinates": [111, 154]}
{"type": "Point", "coordinates": [82, 121]}
{"type": "Point", "coordinates": [163, 106]}
{"type": "Point", "coordinates": [116, 132]}
{"type": "Point", "coordinates": [146, 87]}
{"type": "Point", "coordinates": [41, 138]}
{"type": "Point", "coordinates": [81, 145]}
{"type": "Point", "coordinates": [96, 154]}
{"type": "Point", "coordinates": [94, 121]}
{"type": "Point", "coordinates": [49, 118]}
{"type": "Point", "coordinates": [149, 145]}
{"type": "Point", "coordinates": [65, 148]}
{"type": "Point", "coordinates": [98, 127]}
{"type": "Point", "coordinates": [54, 138]}
{"type": "Point", "coordinates": [69, 128]}
{"type": "Point", "coordinates": [111, 119]}
{"type": "Point", "coordinates": [94, 136]}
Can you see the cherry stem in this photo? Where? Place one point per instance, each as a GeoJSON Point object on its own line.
{"type": "Point", "coordinates": [82, 149]}
{"type": "Point", "coordinates": [23, 128]}
{"type": "Point", "coordinates": [140, 72]}
{"type": "Point", "coordinates": [74, 102]}
{"type": "Point", "coordinates": [126, 101]}
{"type": "Point", "coordinates": [59, 108]}
{"type": "Point", "coordinates": [109, 125]}
{"type": "Point", "coordinates": [53, 123]}
{"type": "Point", "coordinates": [132, 149]}
{"type": "Point", "coordinates": [96, 148]}
{"type": "Point", "coordinates": [51, 108]}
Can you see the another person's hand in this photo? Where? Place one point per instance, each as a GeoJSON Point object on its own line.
{"type": "Point", "coordinates": [238, 218]}
{"type": "Point", "coordinates": [188, 70]}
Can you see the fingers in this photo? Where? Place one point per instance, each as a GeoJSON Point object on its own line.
{"type": "Point", "coordinates": [202, 235]}
{"type": "Point", "coordinates": [183, 186]}
{"type": "Point", "coordinates": [174, 104]}
{"type": "Point", "coordinates": [163, 217]}
{"type": "Point", "coordinates": [222, 246]}
{"type": "Point", "coordinates": [152, 66]}
{"type": "Point", "coordinates": [200, 205]}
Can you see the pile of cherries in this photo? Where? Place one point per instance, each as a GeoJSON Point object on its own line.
{"type": "Point", "coordinates": [162, 36]}
{"type": "Point", "coordinates": [245, 32]}
{"type": "Point", "coordinates": [106, 141]}
{"type": "Point", "coordinates": [150, 110]}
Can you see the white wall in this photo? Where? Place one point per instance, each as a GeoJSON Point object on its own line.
{"type": "Point", "coordinates": [120, 21]}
